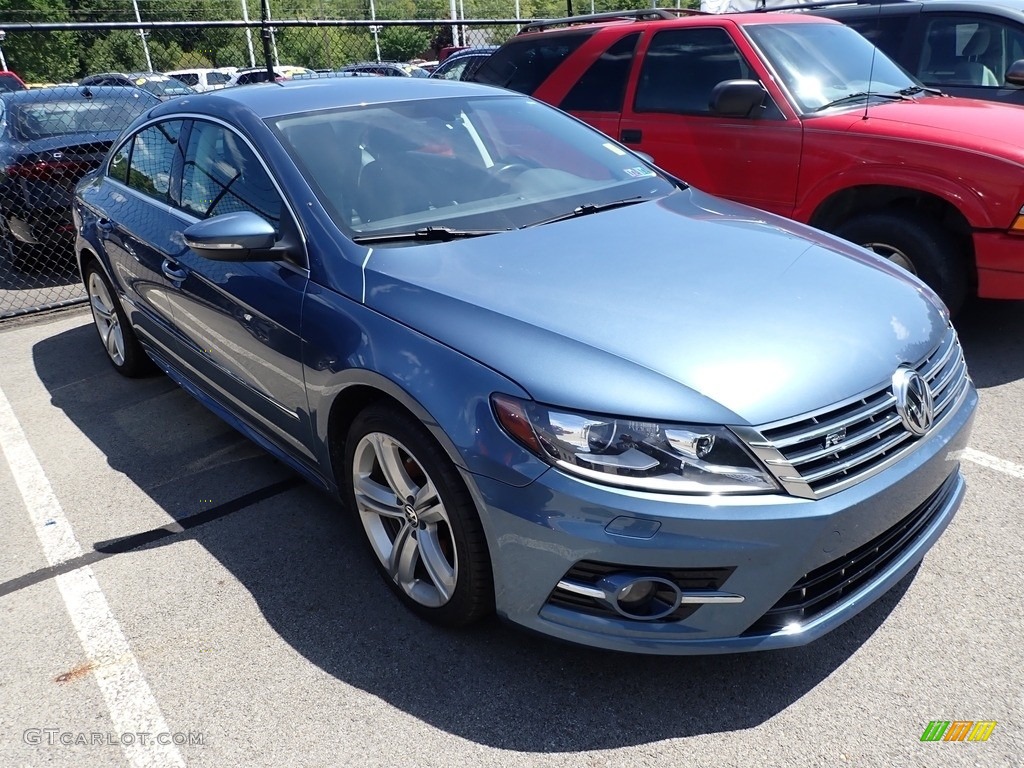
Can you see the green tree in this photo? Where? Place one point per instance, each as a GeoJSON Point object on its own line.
{"type": "Point", "coordinates": [403, 43]}
{"type": "Point", "coordinates": [40, 57]}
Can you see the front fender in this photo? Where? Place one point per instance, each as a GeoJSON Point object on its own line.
{"type": "Point", "coordinates": [447, 391]}
{"type": "Point", "coordinates": [962, 193]}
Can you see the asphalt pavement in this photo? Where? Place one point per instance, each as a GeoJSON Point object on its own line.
{"type": "Point", "coordinates": [164, 580]}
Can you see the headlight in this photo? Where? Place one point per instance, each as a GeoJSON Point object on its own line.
{"type": "Point", "coordinates": [677, 458]}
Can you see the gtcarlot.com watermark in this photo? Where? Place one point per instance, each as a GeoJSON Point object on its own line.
{"type": "Point", "coordinates": [51, 737]}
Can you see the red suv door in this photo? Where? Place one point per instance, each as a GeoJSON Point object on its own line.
{"type": "Point", "coordinates": [665, 110]}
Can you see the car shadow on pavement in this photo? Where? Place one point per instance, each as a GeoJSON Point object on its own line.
{"type": "Point", "coordinates": [992, 334]}
{"type": "Point", "coordinates": [303, 559]}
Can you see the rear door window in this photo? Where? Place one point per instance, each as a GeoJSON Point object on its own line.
{"type": "Point", "coordinates": [152, 159]}
{"type": "Point", "coordinates": [524, 64]}
{"type": "Point", "coordinates": [603, 85]}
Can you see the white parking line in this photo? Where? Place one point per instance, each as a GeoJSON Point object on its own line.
{"type": "Point", "coordinates": [993, 462]}
{"type": "Point", "coordinates": [132, 707]}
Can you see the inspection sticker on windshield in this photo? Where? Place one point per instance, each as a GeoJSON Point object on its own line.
{"type": "Point", "coordinates": [612, 148]}
{"type": "Point", "coordinates": [639, 172]}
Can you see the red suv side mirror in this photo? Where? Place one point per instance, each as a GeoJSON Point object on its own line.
{"type": "Point", "coordinates": [737, 98]}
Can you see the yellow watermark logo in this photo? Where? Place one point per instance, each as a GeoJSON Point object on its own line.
{"type": "Point", "coordinates": [958, 730]}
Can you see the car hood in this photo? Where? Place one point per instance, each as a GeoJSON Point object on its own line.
{"type": "Point", "coordinates": [688, 308]}
{"type": "Point", "coordinates": [969, 123]}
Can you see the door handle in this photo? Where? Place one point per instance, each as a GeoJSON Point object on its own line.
{"type": "Point", "coordinates": [632, 136]}
{"type": "Point", "coordinates": [172, 271]}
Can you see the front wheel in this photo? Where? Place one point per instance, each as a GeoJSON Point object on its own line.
{"type": "Point", "coordinates": [123, 349]}
{"type": "Point", "coordinates": [418, 517]}
{"type": "Point", "coordinates": [917, 244]}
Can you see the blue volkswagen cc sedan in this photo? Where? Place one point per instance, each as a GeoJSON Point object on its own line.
{"type": "Point", "coordinates": [548, 380]}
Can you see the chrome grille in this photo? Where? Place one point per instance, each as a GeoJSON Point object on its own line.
{"type": "Point", "coordinates": [800, 455]}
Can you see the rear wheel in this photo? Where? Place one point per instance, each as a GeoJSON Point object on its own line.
{"type": "Point", "coordinates": [917, 244]}
{"type": "Point", "coordinates": [418, 517]}
{"type": "Point", "coordinates": [119, 340]}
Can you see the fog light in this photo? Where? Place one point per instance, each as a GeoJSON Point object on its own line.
{"type": "Point", "coordinates": [636, 594]}
{"type": "Point", "coordinates": [643, 598]}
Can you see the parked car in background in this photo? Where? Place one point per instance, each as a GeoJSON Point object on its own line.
{"type": "Point", "coordinates": [49, 139]}
{"type": "Point", "coordinates": [545, 378]}
{"type": "Point", "coordinates": [161, 86]}
{"type": "Point", "coordinates": [803, 117]}
{"type": "Point", "coordinates": [387, 69]}
{"type": "Point", "coordinates": [331, 74]}
{"type": "Point", "coordinates": [9, 81]}
{"type": "Point", "coordinates": [201, 80]}
{"type": "Point", "coordinates": [972, 48]}
{"type": "Point", "coordinates": [250, 75]}
{"type": "Point", "coordinates": [462, 64]}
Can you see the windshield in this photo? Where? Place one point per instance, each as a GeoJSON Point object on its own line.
{"type": "Point", "coordinates": [483, 163]}
{"type": "Point", "coordinates": [821, 63]}
{"type": "Point", "coordinates": [37, 120]}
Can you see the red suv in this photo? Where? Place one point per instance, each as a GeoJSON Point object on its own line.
{"type": "Point", "coordinates": [803, 117]}
{"type": "Point", "coordinates": [9, 81]}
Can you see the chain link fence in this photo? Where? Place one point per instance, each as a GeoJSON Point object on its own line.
{"type": "Point", "coordinates": [91, 72]}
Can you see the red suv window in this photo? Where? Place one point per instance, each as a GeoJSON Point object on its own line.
{"type": "Point", "coordinates": [682, 67]}
{"type": "Point", "coordinates": [9, 82]}
{"type": "Point", "coordinates": [522, 65]}
{"type": "Point", "coordinates": [603, 85]}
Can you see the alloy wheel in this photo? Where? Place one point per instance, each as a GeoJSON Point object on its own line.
{"type": "Point", "coordinates": [405, 519]}
{"type": "Point", "coordinates": [107, 322]}
{"type": "Point", "coordinates": [893, 254]}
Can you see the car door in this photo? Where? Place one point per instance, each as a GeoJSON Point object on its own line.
{"type": "Point", "coordinates": [241, 319]}
{"type": "Point", "coordinates": [135, 225]}
{"type": "Point", "coordinates": [754, 160]}
{"type": "Point", "coordinates": [597, 96]}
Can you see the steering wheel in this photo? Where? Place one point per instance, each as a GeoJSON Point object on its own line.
{"type": "Point", "coordinates": [499, 179]}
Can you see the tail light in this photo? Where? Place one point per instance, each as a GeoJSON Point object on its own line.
{"type": "Point", "coordinates": [47, 170]}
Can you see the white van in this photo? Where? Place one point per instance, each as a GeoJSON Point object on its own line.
{"type": "Point", "coordinates": [204, 79]}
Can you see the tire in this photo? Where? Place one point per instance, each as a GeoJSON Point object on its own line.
{"type": "Point", "coordinates": [15, 252]}
{"type": "Point", "coordinates": [917, 244]}
{"type": "Point", "coordinates": [432, 551]}
{"type": "Point", "coordinates": [119, 341]}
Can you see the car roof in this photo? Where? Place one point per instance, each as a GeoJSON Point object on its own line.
{"type": "Point", "coordinates": [972, 6]}
{"type": "Point", "coordinates": [589, 24]}
{"type": "Point", "coordinates": [65, 92]}
{"type": "Point", "coordinates": [283, 98]}
{"type": "Point", "coordinates": [476, 51]}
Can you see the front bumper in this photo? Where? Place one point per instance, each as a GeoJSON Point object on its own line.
{"type": "Point", "coordinates": [764, 545]}
{"type": "Point", "coordinates": [1000, 260]}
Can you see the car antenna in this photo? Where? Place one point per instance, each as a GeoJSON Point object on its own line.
{"type": "Point", "coordinates": [874, 52]}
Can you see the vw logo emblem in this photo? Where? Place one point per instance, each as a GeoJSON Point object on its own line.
{"type": "Point", "coordinates": [914, 401]}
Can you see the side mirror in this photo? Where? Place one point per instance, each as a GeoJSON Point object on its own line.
{"type": "Point", "coordinates": [238, 236]}
{"type": "Point", "coordinates": [737, 98]}
{"type": "Point", "coordinates": [1015, 74]}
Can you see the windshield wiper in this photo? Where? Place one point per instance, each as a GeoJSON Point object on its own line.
{"type": "Point", "coordinates": [441, 234]}
{"type": "Point", "coordinates": [915, 89]}
{"type": "Point", "coordinates": [861, 95]}
{"type": "Point", "coordinates": [588, 208]}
